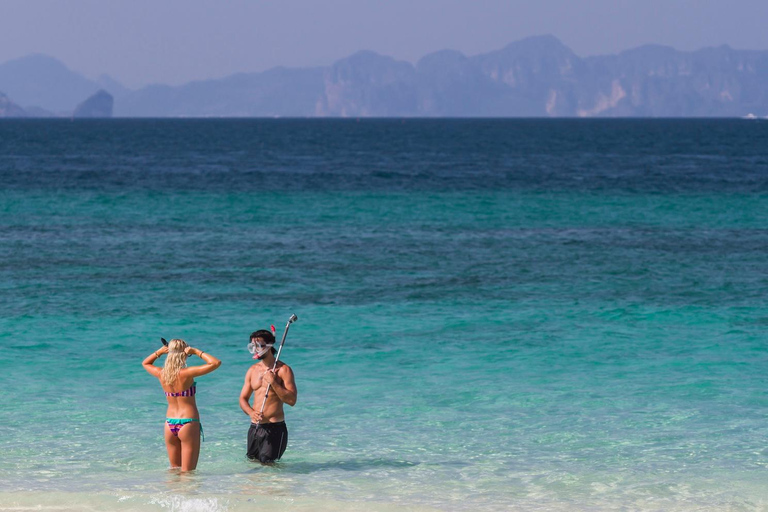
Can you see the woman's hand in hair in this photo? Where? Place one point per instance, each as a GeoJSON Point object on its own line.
{"type": "Point", "coordinates": [162, 350]}
{"type": "Point", "coordinates": [191, 351]}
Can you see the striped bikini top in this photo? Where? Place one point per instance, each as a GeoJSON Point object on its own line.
{"type": "Point", "coordinates": [187, 392]}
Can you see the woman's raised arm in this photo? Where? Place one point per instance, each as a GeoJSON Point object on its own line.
{"type": "Point", "coordinates": [211, 363]}
{"type": "Point", "coordinates": [149, 361]}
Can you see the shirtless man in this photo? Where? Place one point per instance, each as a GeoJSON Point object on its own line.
{"type": "Point", "coordinates": [268, 436]}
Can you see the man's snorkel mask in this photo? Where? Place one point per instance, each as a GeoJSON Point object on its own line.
{"type": "Point", "coordinates": [260, 343]}
{"type": "Point", "coordinates": [259, 350]}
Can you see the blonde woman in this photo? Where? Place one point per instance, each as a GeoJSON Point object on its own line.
{"type": "Point", "coordinates": [182, 423]}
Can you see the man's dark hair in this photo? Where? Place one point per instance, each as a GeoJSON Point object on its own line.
{"type": "Point", "coordinates": [265, 336]}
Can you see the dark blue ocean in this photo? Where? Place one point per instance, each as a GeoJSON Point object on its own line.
{"type": "Point", "coordinates": [493, 314]}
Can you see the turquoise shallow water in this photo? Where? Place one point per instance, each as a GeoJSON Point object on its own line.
{"type": "Point", "coordinates": [493, 315]}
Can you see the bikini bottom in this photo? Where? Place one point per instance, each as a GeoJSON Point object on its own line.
{"type": "Point", "coordinates": [175, 424]}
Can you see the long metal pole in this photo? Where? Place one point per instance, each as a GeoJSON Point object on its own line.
{"type": "Point", "coordinates": [277, 357]}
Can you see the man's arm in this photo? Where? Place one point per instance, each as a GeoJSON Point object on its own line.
{"type": "Point", "coordinates": [245, 397]}
{"type": "Point", "coordinates": [283, 384]}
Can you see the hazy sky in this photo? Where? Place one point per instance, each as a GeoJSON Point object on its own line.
{"type": "Point", "coordinates": [175, 41]}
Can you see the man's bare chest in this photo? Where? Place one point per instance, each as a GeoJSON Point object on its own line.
{"type": "Point", "coordinates": [258, 381]}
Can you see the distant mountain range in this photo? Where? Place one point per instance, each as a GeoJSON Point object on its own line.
{"type": "Point", "coordinates": [534, 77]}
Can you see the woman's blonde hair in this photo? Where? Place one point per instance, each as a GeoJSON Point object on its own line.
{"type": "Point", "coordinates": [174, 361]}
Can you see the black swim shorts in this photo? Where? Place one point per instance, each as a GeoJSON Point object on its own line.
{"type": "Point", "coordinates": [267, 441]}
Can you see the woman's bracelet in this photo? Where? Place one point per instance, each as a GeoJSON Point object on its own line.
{"type": "Point", "coordinates": [201, 354]}
{"type": "Point", "coordinates": [156, 356]}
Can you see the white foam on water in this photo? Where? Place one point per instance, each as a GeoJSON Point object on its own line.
{"type": "Point", "coordinates": [86, 502]}
{"type": "Point", "coordinates": [177, 503]}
